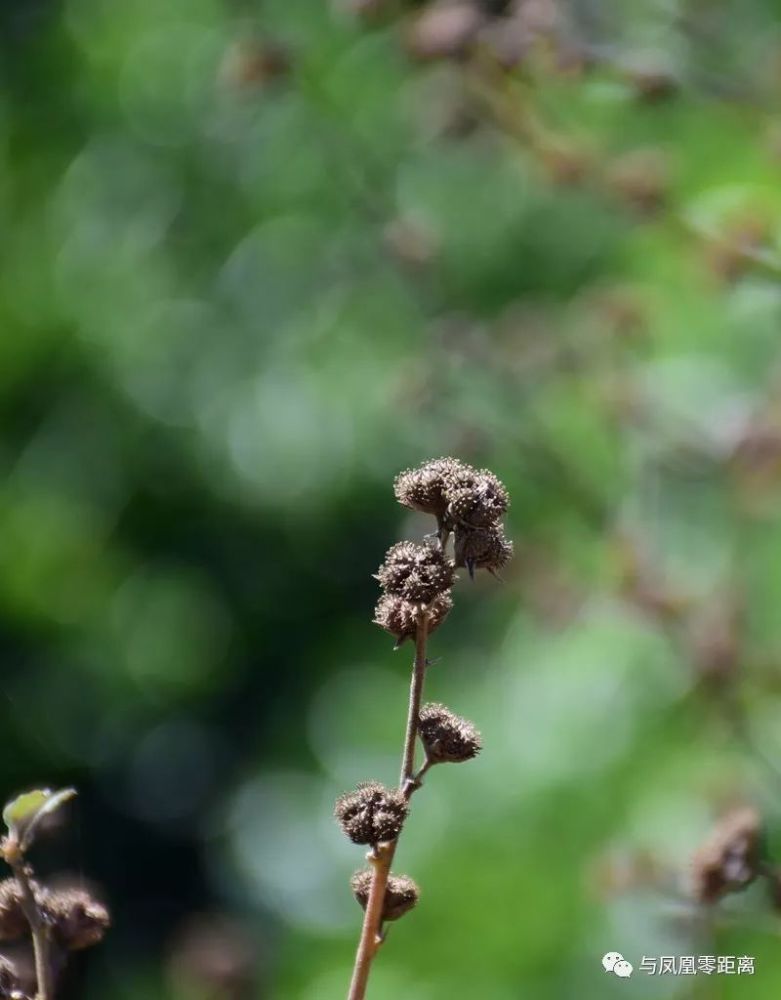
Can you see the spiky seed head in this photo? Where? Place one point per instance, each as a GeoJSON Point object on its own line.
{"type": "Point", "coordinates": [447, 737]}
{"type": "Point", "coordinates": [467, 510]}
{"type": "Point", "coordinates": [479, 505]}
{"type": "Point", "coordinates": [13, 923]}
{"type": "Point", "coordinates": [397, 616]}
{"type": "Point", "coordinates": [458, 476]}
{"type": "Point", "coordinates": [77, 920]}
{"type": "Point", "coordinates": [729, 860]}
{"type": "Point", "coordinates": [493, 489]}
{"type": "Point", "coordinates": [418, 573]}
{"type": "Point", "coordinates": [372, 813]}
{"type": "Point", "coordinates": [424, 488]}
{"type": "Point", "coordinates": [421, 489]}
{"type": "Point", "coordinates": [401, 893]}
{"type": "Point", "coordinates": [482, 548]}
{"type": "Point", "coordinates": [400, 617]}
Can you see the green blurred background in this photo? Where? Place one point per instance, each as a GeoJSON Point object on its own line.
{"type": "Point", "coordinates": [257, 257]}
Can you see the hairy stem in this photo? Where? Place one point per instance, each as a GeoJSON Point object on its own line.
{"type": "Point", "coordinates": [381, 857]}
{"type": "Point", "coordinates": [38, 931]}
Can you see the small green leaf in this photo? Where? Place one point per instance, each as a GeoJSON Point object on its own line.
{"type": "Point", "coordinates": [23, 814]}
{"type": "Point", "coordinates": [20, 810]}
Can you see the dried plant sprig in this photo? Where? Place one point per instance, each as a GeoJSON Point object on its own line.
{"type": "Point", "coordinates": [381, 856]}
{"type": "Point", "coordinates": [401, 893]}
{"type": "Point", "coordinates": [416, 580]}
{"type": "Point", "coordinates": [730, 859]}
{"type": "Point", "coordinates": [447, 737]}
{"type": "Point", "coordinates": [456, 494]}
{"type": "Point", "coordinates": [69, 918]}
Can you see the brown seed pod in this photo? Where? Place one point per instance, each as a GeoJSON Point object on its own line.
{"type": "Point", "coordinates": [447, 737]}
{"type": "Point", "coordinates": [77, 920]}
{"type": "Point", "coordinates": [401, 893]}
{"type": "Point", "coordinates": [13, 923]}
{"type": "Point", "coordinates": [424, 488]}
{"type": "Point", "coordinates": [479, 505]}
{"type": "Point", "coordinates": [418, 573]}
{"type": "Point", "coordinates": [400, 617]}
{"type": "Point", "coordinates": [372, 813]}
{"type": "Point", "coordinates": [482, 548]}
{"type": "Point", "coordinates": [729, 860]}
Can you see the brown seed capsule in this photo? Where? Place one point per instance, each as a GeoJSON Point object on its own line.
{"type": "Point", "coordinates": [424, 488]}
{"type": "Point", "coordinates": [401, 893]}
{"type": "Point", "coordinates": [730, 859]}
{"type": "Point", "coordinates": [400, 617]}
{"type": "Point", "coordinates": [481, 504]}
{"type": "Point", "coordinates": [417, 573]}
{"type": "Point", "coordinates": [447, 737]}
{"type": "Point", "coordinates": [372, 813]}
{"type": "Point", "coordinates": [77, 920]}
{"type": "Point", "coordinates": [13, 923]}
{"type": "Point", "coordinates": [482, 548]}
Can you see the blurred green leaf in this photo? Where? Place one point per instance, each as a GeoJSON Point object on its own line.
{"type": "Point", "coordinates": [23, 814]}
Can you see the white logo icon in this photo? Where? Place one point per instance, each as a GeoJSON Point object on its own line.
{"type": "Point", "coordinates": [614, 962]}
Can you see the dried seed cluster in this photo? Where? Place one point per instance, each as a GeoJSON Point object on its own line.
{"type": "Point", "coordinates": [401, 893]}
{"type": "Point", "coordinates": [730, 859]}
{"type": "Point", "coordinates": [76, 920]}
{"type": "Point", "coordinates": [414, 578]}
{"type": "Point", "coordinates": [447, 737]}
{"type": "Point", "coordinates": [372, 813]}
{"type": "Point", "coordinates": [466, 501]}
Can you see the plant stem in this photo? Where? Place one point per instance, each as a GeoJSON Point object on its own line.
{"type": "Point", "coordinates": [381, 857]}
{"type": "Point", "coordinates": [415, 699]}
{"type": "Point", "coordinates": [37, 930]}
{"type": "Point", "coordinates": [421, 772]}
